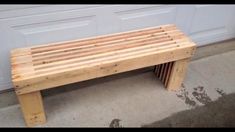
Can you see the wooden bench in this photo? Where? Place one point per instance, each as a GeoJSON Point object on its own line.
{"type": "Point", "coordinates": [47, 66]}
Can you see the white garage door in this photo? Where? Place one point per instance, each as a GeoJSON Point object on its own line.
{"type": "Point", "coordinates": [26, 25]}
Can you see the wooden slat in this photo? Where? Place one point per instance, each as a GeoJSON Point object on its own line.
{"type": "Point", "coordinates": [40, 63]}
{"type": "Point", "coordinates": [100, 51]}
{"type": "Point", "coordinates": [109, 39]}
{"type": "Point", "coordinates": [20, 51]}
{"type": "Point", "coordinates": [69, 53]}
{"type": "Point", "coordinates": [101, 60]}
{"type": "Point", "coordinates": [161, 72]}
{"type": "Point", "coordinates": [17, 71]}
{"type": "Point", "coordinates": [78, 60]}
{"type": "Point", "coordinates": [164, 73]}
{"type": "Point", "coordinates": [116, 53]}
{"type": "Point", "coordinates": [93, 71]}
{"type": "Point", "coordinates": [168, 73]}
{"type": "Point", "coordinates": [87, 52]}
{"type": "Point", "coordinates": [91, 40]}
{"type": "Point", "coordinates": [74, 50]}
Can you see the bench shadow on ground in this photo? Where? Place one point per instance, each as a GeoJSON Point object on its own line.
{"type": "Point", "coordinates": [219, 113]}
{"type": "Point", "coordinates": [91, 82]}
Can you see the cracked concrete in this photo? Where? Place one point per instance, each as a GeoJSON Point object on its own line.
{"type": "Point", "coordinates": [132, 99]}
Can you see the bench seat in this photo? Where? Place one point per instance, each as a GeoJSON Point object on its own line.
{"type": "Point", "coordinates": [48, 66]}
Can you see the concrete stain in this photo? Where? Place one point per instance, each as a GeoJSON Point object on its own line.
{"type": "Point", "coordinates": [220, 91]}
{"type": "Point", "coordinates": [218, 113]}
{"type": "Point", "coordinates": [200, 94]}
{"type": "Point", "coordinates": [183, 94]}
{"type": "Point", "coordinates": [115, 123]}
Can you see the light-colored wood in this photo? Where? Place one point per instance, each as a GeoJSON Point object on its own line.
{"type": "Point", "coordinates": [168, 73]}
{"type": "Point", "coordinates": [164, 72]}
{"type": "Point", "coordinates": [32, 107]}
{"type": "Point", "coordinates": [178, 72]}
{"type": "Point", "coordinates": [47, 66]}
{"type": "Point", "coordinates": [99, 58]}
{"type": "Point", "coordinates": [56, 78]}
{"type": "Point", "coordinates": [127, 34]}
{"type": "Point", "coordinates": [97, 50]}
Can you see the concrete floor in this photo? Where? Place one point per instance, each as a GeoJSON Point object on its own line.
{"type": "Point", "coordinates": [133, 99]}
{"type": "Point", "coordinates": [219, 113]}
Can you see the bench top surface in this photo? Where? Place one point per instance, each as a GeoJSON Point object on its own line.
{"type": "Point", "coordinates": [64, 56]}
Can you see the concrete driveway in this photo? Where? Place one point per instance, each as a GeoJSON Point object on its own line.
{"type": "Point", "coordinates": [136, 98]}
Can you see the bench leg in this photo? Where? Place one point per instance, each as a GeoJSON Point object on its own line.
{"type": "Point", "coordinates": [172, 73]}
{"type": "Point", "coordinates": [178, 72]}
{"type": "Point", "coordinates": [32, 108]}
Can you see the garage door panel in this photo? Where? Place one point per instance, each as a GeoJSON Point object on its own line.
{"type": "Point", "coordinates": [13, 11]}
{"type": "Point", "coordinates": [51, 27]}
{"type": "Point", "coordinates": [26, 25]}
{"type": "Point", "coordinates": [50, 17]}
{"type": "Point", "coordinates": [209, 17]}
{"type": "Point", "coordinates": [145, 18]}
{"type": "Point", "coordinates": [209, 23]}
{"type": "Point", "coordinates": [133, 8]}
{"type": "Point", "coordinates": [60, 30]}
{"type": "Point", "coordinates": [40, 28]}
{"type": "Point", "coordinates": [16, 7]}
{"type": "Point", "coordinates": [112, 18]}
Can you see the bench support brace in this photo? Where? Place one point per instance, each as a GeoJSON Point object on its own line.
{"type": "Point", "coordinates": [172, 73]}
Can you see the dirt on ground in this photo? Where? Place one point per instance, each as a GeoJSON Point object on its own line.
{"type": "Point", "coordinates": [219, 113]}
